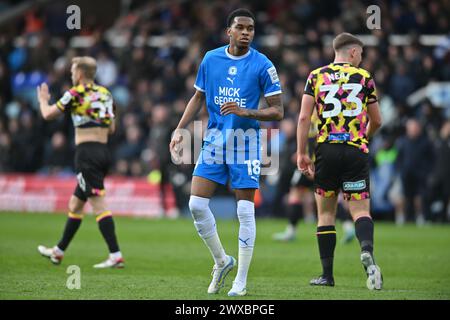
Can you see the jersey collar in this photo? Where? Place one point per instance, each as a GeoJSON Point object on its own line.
{"type": "Point", "coordinates": [342, 63]}
{"type": "Point", "coordinates": [236, 57]}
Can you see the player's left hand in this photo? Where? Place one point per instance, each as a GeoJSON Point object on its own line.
{"type": "Point", "coordinates": [232, 108]}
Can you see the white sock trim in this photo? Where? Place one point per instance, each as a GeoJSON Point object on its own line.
{"type": "Point", "coordinates": [58, 250]}
{"type": "Point", "coordinates": [245, 204]}
{"type": "Point", "coordinates": [204, 201]}
{"type": "Point", "coordinates": [116, 255]}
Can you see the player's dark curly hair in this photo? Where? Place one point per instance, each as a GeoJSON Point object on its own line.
{"type": "Point", "coordinates": [241, 12]}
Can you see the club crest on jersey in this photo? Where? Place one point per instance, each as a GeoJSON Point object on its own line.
{"type": "Point", "coordinates": [232, 71]}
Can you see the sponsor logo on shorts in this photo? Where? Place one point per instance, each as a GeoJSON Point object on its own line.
{"type": "Point", "coordinates": [355, 186]}
{"type": "Point", "coordinates": [81, 182]}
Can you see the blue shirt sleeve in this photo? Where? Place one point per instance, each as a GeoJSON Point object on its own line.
{"type": "Point", "coordinates": [269, 81]}
{"type": "Point", "coordinates": [200, 82]}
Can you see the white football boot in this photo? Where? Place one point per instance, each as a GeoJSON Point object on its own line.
{"type": "Point", "coordinates": [54, 254]}
{"type": "Point", "coordinates": [238, 290]}
{"type": "Point", "coordinates": [111, 262]}
{"type": "Point", "coordinates": [219, 274]}
{"type": "Point", "coordinates": [374, 277]}
{"type": "Point", "coordinates": [288, 235]}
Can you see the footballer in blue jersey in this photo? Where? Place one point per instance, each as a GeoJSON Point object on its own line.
{"type": "Point", "coordinates": [231, 146]}
{"type": "Point", "coordinates": [231, 80]}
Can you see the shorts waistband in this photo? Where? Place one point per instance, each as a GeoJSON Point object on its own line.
{"type": "Point", "coordinates": [91, 143]}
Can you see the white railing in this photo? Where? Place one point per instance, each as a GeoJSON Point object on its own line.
{"type": "Point", "coordinates": [118, 40]}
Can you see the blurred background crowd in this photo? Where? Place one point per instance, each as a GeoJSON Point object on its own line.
{"type": "Point", "coordinates": [148, 53]}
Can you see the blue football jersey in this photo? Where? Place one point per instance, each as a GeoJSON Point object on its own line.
{"type": "Point", "coordinates": [243, 79]}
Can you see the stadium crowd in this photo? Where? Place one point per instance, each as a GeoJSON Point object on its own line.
{"type": "Point", "coordinates": [152, 71]}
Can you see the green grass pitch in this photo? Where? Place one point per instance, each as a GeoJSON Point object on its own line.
{"type": "Point", "coordinates": [165, 259]}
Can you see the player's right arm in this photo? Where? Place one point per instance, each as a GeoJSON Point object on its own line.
{"type": "Point", "coordinates": [193, 107]}
{"type": "Point", "coordinates": [48, 112]}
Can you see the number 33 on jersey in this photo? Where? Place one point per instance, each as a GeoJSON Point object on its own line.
{"type": "Point", "coordinates": [342, 93]}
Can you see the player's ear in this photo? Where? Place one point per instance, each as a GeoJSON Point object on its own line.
{"type": "Point", "coordinates": [352, 52]}
{"type": "Point", "coordinates": [229, 32]}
